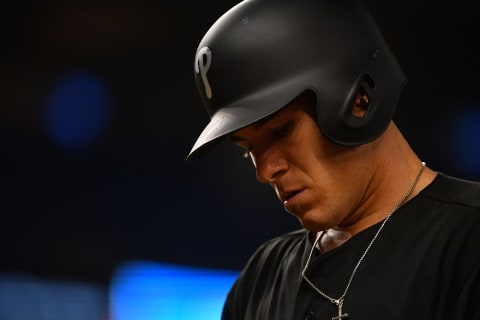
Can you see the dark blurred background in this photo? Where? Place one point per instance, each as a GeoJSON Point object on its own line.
{"type": "Point", "coordinates": [104, 180]}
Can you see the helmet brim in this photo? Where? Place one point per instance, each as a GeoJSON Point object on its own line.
{"type": "Point", "coordinates": [222, 123]}
{"type": "Point", "coordinates": [241, 114]}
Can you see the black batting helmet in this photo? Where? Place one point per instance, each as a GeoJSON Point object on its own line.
{"type": "Point", "coordinates": [261, 54]}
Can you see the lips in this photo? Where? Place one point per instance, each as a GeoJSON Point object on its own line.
{"type": "Point", "coordinates": [285, 196]}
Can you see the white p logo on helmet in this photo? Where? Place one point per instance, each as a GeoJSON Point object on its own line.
{"type": "Point", "coordinates": [202, 64]}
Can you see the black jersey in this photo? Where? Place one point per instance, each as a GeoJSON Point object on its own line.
{"type": "Point", "coordinates": [425, 264]}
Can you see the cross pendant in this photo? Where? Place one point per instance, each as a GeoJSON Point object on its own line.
{"type": "Point", "coordinates": [340, 314]}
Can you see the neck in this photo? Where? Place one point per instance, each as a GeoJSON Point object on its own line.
{"type": "Point", "coordinates": [395, 171]}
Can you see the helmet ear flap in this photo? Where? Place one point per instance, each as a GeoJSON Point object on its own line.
{"type": "Point", "coordinates": [359, 117]}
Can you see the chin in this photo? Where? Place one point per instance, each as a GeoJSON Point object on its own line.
{"type": "Point", "coordinates": [311, 224]}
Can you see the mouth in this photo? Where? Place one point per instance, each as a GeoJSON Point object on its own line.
{"type": "Point", "coordinates": [291, 199]}
{"type": "Point", "coordinates": [285, 196]}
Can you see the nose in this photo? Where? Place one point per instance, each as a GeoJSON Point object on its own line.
{"type": "Point", "coordinates": [270, 164]}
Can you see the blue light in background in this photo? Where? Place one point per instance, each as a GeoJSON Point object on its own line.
{"type": "Point", "coordinates": [467, 139]}
{"type": "Point", "coordinates": [148, 291]}
{"type": "Point", "coordinates": [26, 297]}
{"type": "Point", "coordinates": [77, 110]}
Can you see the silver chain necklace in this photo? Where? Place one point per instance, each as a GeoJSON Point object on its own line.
{"type": "Point", "coordinates": [339, 301]}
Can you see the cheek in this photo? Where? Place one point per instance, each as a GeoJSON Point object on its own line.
{"type": "Point", "coordinates": [331, 187]}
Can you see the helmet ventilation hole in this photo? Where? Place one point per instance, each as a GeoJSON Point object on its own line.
{"type": "Point", "coordinates": [363, 97]}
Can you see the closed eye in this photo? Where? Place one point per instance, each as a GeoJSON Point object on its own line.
{"type": "Point", "coordinates": [283, 130]}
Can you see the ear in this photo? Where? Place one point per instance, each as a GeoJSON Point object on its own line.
{"type": "Point", "coordinates": [360, 105]}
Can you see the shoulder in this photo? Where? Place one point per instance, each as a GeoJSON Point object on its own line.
{"type": "Point", "coordinates": [270, 262]}
{"type": "Point", "coordinates": [454, 192]}
{"type": "Point", "coordinates": [447, 215]}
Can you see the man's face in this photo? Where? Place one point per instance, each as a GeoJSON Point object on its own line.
{"type": "Point", "coordinates": [321, 183]}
